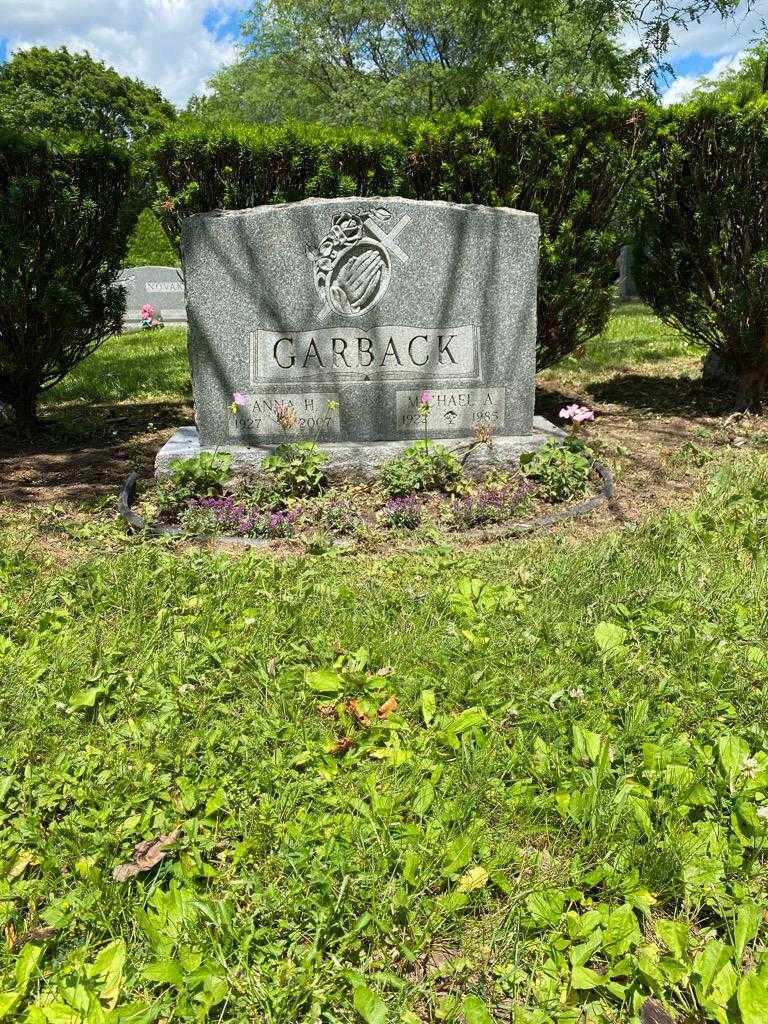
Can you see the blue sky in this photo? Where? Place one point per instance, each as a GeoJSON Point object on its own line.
{"type": "Point", "coordinates": [178, 44]}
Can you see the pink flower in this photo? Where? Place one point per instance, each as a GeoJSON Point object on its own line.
{"type": "Point", "coordinates": [147, 312]}
{"type": "Point", "coordinates": [576, 413]}
{"type": "Point", "coordinates": [583, 415]}
{"type": "Point", "coordinates": [238, 398]}
{"type": "Point", "coordinates": [425, 398]}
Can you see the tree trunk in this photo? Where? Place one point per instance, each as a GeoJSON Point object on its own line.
{"type": "Point", "coordinates": [24, 405]}
{"type": "Point", "coordinates": [765, 74]}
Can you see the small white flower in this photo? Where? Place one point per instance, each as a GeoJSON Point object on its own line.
{"type": "Point", "coordinates": [749, 767]}
{"type": "Point", "coordinates": [762, 813]}
{"type": "Point", "coordinates": [577, 693]}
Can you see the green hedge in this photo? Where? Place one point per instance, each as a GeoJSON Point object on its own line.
{"type": "Point", "coordinates": [702, 253]}
{"type": "Point", "coordinates": [149, 246]}
{"type": "Point", "coordinates": [65, 217]}
{"type": "Point", "coordinates": [575, 165]}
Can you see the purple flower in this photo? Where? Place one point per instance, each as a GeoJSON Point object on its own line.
{"type": "Point", "coordinates": [425, 398]}
{"type": "Point", "coordinates": [489, 506]}
{"type": "Point", "coordinates": [402, 513]}
{"type": "Point", "coordinates": [238, 398]}
{"type": "Point", "coordinates": [224, 515]}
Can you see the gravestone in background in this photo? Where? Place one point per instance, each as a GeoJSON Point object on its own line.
{"type": "Point", "coordinates": [344, 311]}
{"type": "Point", "coordinates": [627, 286]}
{"type": "Point", "coordinates": [160, 287]}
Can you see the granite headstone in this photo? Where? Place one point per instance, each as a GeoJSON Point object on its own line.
{"type": "Point", "coordinates": [160, 287]}
{"type": "Point", "coordinates": [345, 311]}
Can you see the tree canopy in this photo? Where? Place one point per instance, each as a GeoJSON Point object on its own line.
{"type": "Point", "coordinates": [380, 61]}
{"type": "Point", "coordinates": [742, 83]}
{"type": "Point", "coordinates": [58, 92]}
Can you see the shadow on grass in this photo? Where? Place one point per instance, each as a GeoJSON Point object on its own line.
{"type": "Point", "coordinates": [673, 397]}
{"type": "Point", "coordinates": [83, 455]}
{"type": "Point", "coordinates": [669, 396]}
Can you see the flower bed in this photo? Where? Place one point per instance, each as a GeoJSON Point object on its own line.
{"type": "Point", "coordinates": [421, 495]}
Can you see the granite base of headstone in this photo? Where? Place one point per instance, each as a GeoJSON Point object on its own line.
{"type": "Point", "coordinates": [343, 312]}
{"type": "Point", "coordinates": [716, 372]}
{"type": "Point", "coordinates": [162, 288]}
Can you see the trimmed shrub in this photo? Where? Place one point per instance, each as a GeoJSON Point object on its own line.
{"type": "Point", "coordinates": [702, 252]}
{"type": "Point", "coordinates": [63, 232]}
{"type": "Point", "coordinates": [575, 165]}
{"type": "Point", "coordinates": [149, 246]}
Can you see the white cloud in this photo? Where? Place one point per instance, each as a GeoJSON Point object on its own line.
{"type": "Point", "coordinates": [683, 86]}
{"type": "Point", "coordinates": [714, 36]}
{"type": "Point", "coordinates": [161, 42]}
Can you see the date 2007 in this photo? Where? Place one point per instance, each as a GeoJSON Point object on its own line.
{"type": "Point", "coordinates": [302, 423]}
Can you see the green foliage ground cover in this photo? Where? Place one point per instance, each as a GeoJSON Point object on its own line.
{"type": "Point", "coordinates": [563, 814]}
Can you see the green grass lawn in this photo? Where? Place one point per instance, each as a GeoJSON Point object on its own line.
{"type": "Point", "coordinates": [564, 815]}
{"type": "Point", "coordinates": [137, 366]}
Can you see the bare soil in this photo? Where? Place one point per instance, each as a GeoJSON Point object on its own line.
{"type": "Point", "coordinates": [658, 429]}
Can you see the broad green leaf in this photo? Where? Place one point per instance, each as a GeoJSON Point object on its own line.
{"type": "Point", "coordinates": [583, 952]}
{"type": "Point", "coordinates": [325, 682]}
{"type": "Point", "coordinates": [675, 935]}
{"type": "Point", "coordinates": [732, 751]}
{"type": "Point", "coordinates": [86, 698]}
{"type": "Point", "coordinates": [428, 705]}
{"type": "Point", "coordinates": [368, 1005]}
{"type": "Point", "coordinates": [26, 964]}
{"type": "Point", "coordinates": [423, 800]}
{"type": "Point", "coordinates": [748, 922]}
{"type": "Point", "coordinates": [457, 855]}
{"type": "Point", "coordinates": [5, 786]}
{"type": "Point", "coordinates": [610, 637]}
{"type": "Point", "coordinates": [584, 978]}
{"type": "Point", "coordinates": [710, 961]}
{"type": "Point", "coordinates": [108, 967]}
{"type": "Point", "coordinates": [9, 1001]}
{"type": "Point", "coordinates": [588, 745]}
{"type": "Point", "coordinates": [546, 906]}
{"type": "Point", "coordinates": [475, 1011]}
{"type": "Point", "coordinates": [622, 932]}
{"type": "Point", "coordinates": [466, 720]}
{"type": "Point", "coordinates": [59, 1013]}
{"type": "Point", "coordinates": [165, 972]}
{"type": "Point", "coordinates": [752, 997]}
{"type": "Point", "coordinates": [132, 1013]}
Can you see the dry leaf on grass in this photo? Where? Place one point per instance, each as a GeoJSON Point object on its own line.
{"type": "Point", "coordinates": [146, 854]}
{"type": "Point", "coordinates": [473, 879]}
{"type": "Point", "coordinates": [654, 1013]}
{"type": "Point", "coordinates": [35, 935]}
{"type": "Point", "coordinates": [353, 707]}
{"type": "Point", "coordinates": [387, 707]}
{"type": "Point", "coordinates": [340, 746]}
